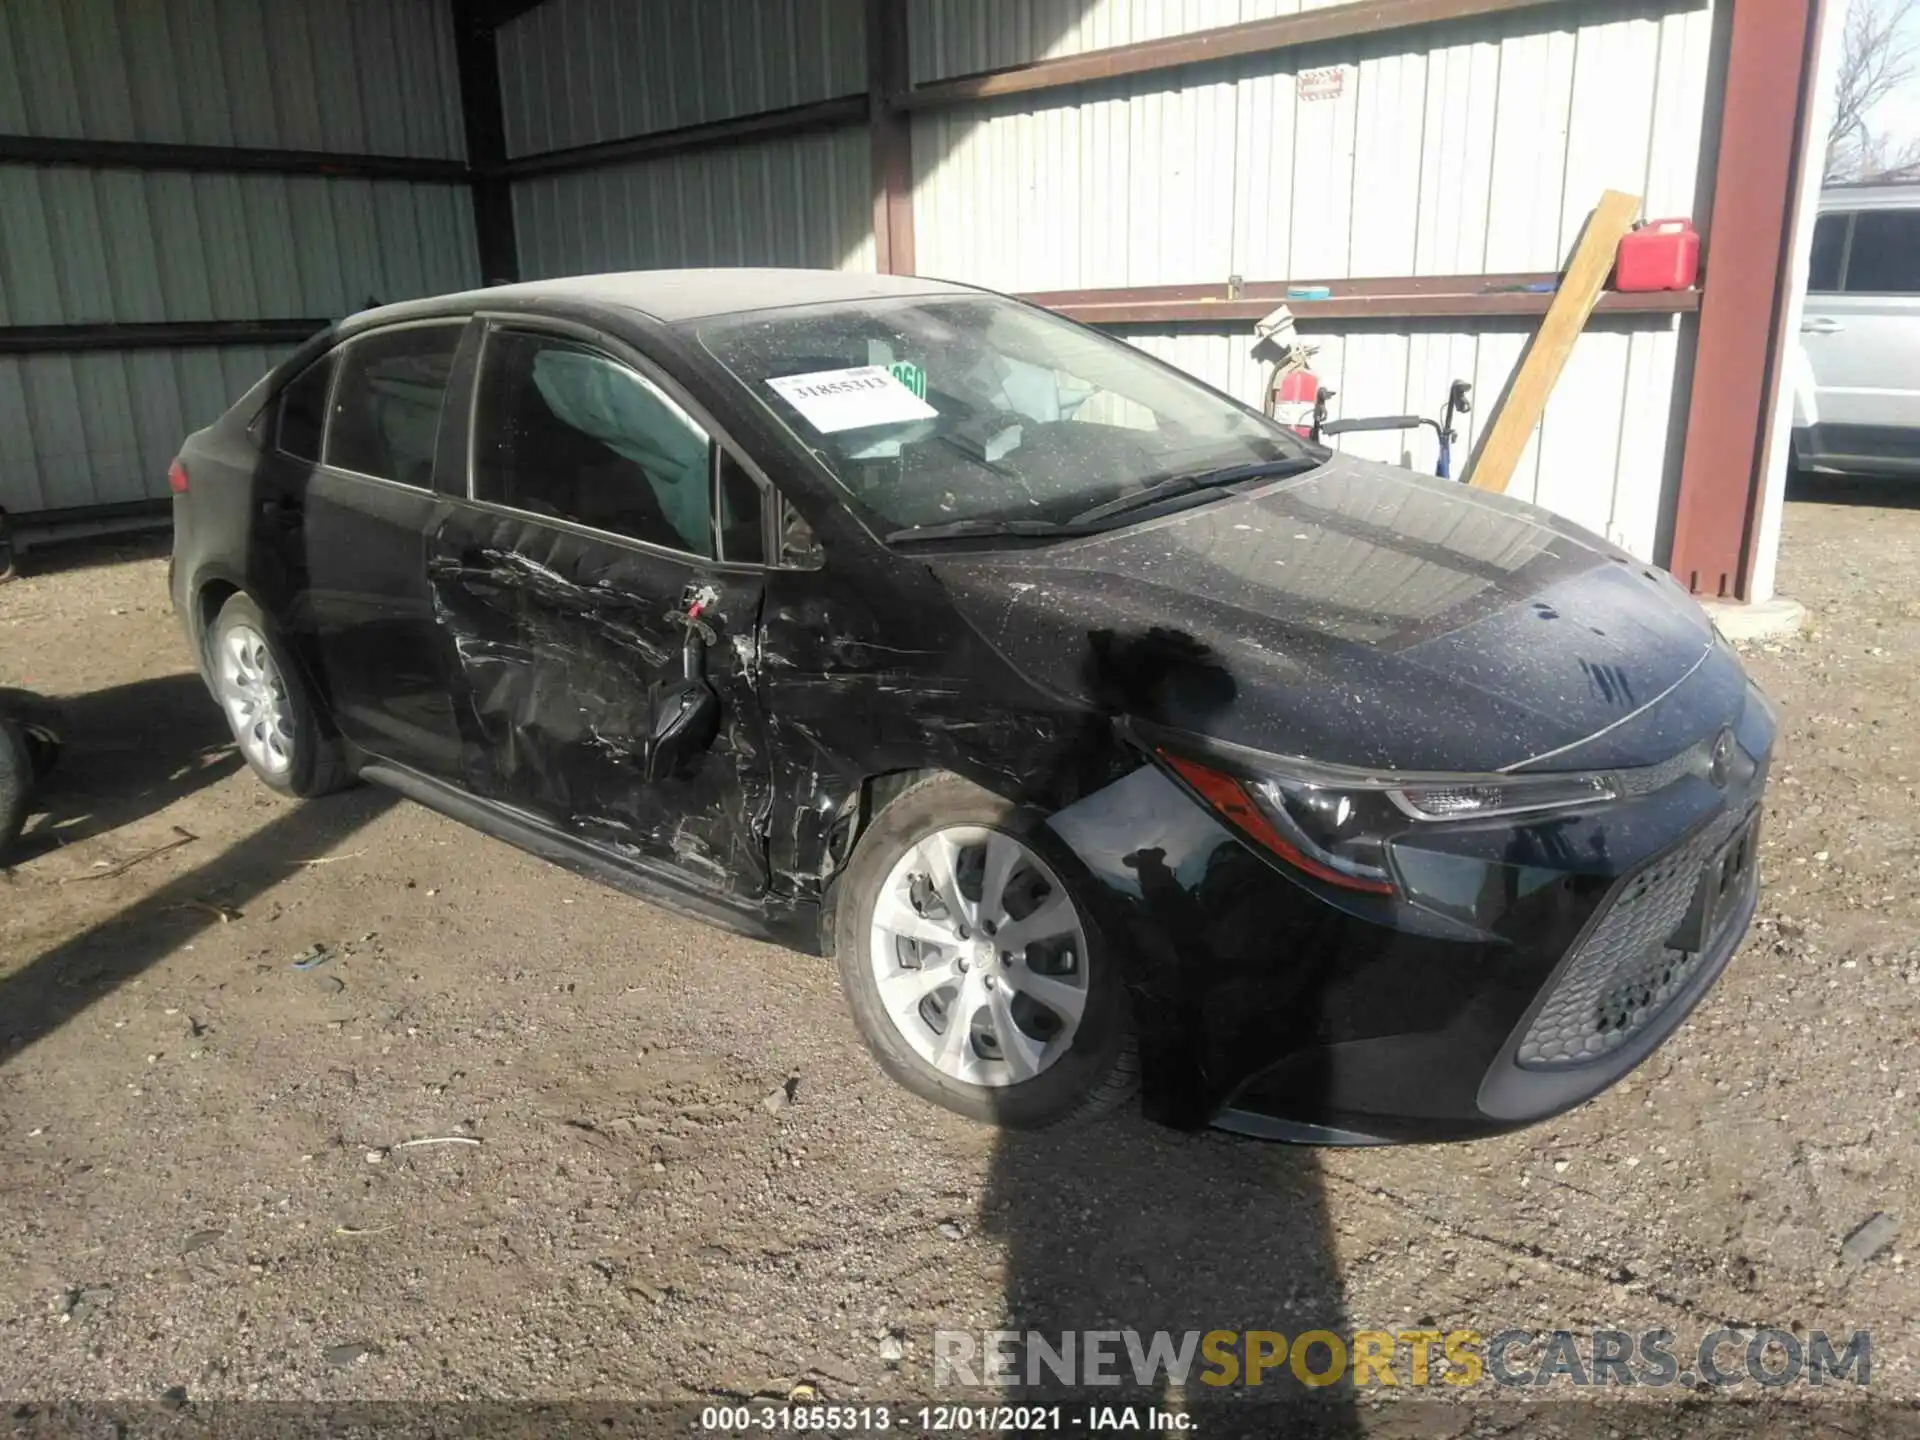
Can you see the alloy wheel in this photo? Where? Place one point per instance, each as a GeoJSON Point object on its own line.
{"type": "Point", "coordinates": [255, 697]}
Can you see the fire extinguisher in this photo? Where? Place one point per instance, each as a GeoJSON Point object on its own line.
{"type": "Point", "coordinates": [1292, 398]}
{"type": "Point", "coordinates": [1292, 390]}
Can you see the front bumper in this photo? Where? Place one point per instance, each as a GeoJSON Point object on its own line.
{"type": "Point", "coordinates": [1523, 970]}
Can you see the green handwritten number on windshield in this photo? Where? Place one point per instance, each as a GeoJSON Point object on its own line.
{"type": "Point", "coordinates": [911, 376]}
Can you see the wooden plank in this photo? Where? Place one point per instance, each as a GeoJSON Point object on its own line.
{"type": "Point", "coordinates": [1525, 400]}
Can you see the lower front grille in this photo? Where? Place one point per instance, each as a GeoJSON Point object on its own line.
{"type": "Point", "coordinates": [1625, 971]}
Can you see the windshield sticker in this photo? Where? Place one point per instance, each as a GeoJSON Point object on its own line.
{"type": "Point", "coordinates": [910, 375]}
{"type": "Point", "coordinates": [836, 400]}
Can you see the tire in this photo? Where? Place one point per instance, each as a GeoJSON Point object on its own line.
{"type": "Point", "coordinates": [41, 724]}
{"type": "Point", "coordinates": [16, 782]}
{"type": "Point", "coordinates": [1080, 1067]}
{"type": "Point", "coordinates": [286, 747]}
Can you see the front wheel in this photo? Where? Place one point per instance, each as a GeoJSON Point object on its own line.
{"type": "Point", "coordinates": [974, 966]}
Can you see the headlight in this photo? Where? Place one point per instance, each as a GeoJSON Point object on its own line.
{"type": "Point", "coordinates": [1472, 799]}
{"type": "Point", "coordinates": [1333, 823]}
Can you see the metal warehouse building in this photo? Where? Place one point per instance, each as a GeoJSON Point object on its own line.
{"type": "Point", "coordinates": [189, 187]}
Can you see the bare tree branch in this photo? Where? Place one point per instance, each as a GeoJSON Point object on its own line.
{"type": "Point", "coordinates": [1877, 59]}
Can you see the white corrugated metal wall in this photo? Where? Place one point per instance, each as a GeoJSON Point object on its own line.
{"type": "Point", "coordinates": [800, 201]}
{"type": "Point", "coordinates": [117, 246]}
{"type": "Point", "coordinates": [1473, 148]}
{"type": "Point", "coordinates": [578, 72]}
{"type": "Point", "coordinates": [1479, 155]}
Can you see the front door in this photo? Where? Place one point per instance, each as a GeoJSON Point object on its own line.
{"type": "Point", "coordinates": [565, 579]}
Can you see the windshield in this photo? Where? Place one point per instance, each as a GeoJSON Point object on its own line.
{"type": "Point", "coordinates": [942, 409]}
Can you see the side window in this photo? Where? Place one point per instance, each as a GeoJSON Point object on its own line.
{"type": "Point", "coordinates": [742, 514]}
{"type": "Point", "coordinates": [303, 410]}
{"type": "Point", "coordinates": [1829, 247]}
{"type": "Point", "coordinates": [798, 547]}
{"type": "Point", "coordinates": [562, 429]}
{"type": "Point", "coordinates": [1885, 258]}
{"type": "Point", "coordinates": [386, 406]}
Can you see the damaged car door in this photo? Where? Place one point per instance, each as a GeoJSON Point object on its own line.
{"type": "Point", "coordinates": [593, 604]}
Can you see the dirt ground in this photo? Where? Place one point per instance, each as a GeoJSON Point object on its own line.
{"type": "Point", "coordinates": [206, 1185]}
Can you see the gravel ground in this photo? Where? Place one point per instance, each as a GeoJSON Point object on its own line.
{"type": "Point", "coordinates": [687, 1182]}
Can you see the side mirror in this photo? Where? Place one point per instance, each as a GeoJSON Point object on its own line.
{"type": "Point", "coordinates": [685, 720]}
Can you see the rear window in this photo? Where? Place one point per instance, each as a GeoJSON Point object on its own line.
{"type": "Point", "coordinates": [1885, 255]}
{"type": "Point", "coordinates": [303, 410]}
{"type": "Point", "coordinates": [386, 405]}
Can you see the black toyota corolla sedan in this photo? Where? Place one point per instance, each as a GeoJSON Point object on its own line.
{"type": "Point", "coordinates": [1107, 734]}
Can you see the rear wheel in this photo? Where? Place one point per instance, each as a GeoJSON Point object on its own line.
{"type": "Point", "coordinates": [975, 969]}
{"type": "Point", "coordinates": [267, 707]}
{"type": "Point", "coordinates": [41, 725]}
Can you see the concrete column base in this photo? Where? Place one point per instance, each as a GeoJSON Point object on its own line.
{"type": "Point", "coordinates": [1769, 620]}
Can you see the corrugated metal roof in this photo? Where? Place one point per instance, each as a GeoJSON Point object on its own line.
{"type": "Point", "coordinates": [100, 429]}
{"type": "Point", "coordinates": [801, 202]}
{"type": "Point", "coordinates": [573, 72]}
{"type": "Point", "coordinates": [352, 76]}
{"type": "Point", "coordinates": [117, 246]}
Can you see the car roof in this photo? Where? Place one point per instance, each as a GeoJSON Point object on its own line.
{"type": "Point", "coordinates": [1872, 196]}
{"type": "Point", "coordinates": [671, 295]}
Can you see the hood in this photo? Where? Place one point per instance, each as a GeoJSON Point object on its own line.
{"type": "Point", "coordinates": [1359, 615]}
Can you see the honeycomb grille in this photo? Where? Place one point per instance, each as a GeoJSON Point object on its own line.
{"type": "Point", "coordinates": [1624, 973]}
{"type": "Point", "coordinates": [1694, 760]}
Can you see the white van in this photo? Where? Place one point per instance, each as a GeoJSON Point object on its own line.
{"type": "Point", "coordinates": [1857, 386]}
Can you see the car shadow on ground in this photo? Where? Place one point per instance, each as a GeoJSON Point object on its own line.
{"type": "Point", "coordinates": [1130, 1226]}
{"type": "Point", "coordinates": [127, 752]}
{"type": "Point", "coordinates": [82, 552]}
{"type": "Point", "coordinates": [1162, 1235]}
{"type": "Point", "coordinates": [46, 992]}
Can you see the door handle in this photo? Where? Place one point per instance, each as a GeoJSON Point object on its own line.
{"type": "Point", "coordinates": [1821, 327]}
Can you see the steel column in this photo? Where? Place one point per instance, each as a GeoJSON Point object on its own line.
{"type": "Point", "coordinates": [1772, 60]}
{"type": "Point", "coordinates": [888, 76]}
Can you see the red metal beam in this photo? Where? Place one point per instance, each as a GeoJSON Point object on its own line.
{"type": "Point", "coordinates": [1772, 58]}
{"type": "Point", "coordinates": [888, 74]}
{"type": "Point", "coordinates": [1201, 47]}
{"type": "Point", "coordinates": [1376, 298]}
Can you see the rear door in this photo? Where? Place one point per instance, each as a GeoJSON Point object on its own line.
{"type": "Point", "coordinates": [1861, 336]}
{"type": "Point", "coordinates": [598, 509]}
{"type": "Point", "coordinates": [366, 513]}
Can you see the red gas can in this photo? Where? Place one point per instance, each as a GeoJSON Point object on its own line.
{"type": "Point", "coordinates": [1659, 255]}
